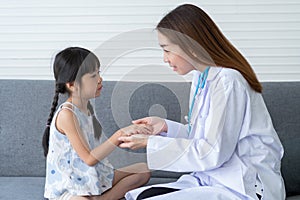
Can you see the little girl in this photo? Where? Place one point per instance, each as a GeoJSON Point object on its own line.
{"type": "Point", "coordinates": [76, 167]}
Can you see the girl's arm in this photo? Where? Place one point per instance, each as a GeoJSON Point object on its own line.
{"type": "Point", "coordinates": [67, 124]}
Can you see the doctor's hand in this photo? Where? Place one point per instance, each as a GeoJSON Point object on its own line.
{"type": "Point", "coordinates": [136, 129]}
{"type": "Point", "coordinates": [159, 125]}
{"type": "Point", "coordinates": [134, 141]}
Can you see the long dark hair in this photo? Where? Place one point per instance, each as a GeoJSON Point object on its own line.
{"type": "Point", "coordinates": [204, 41]}
{"type": "Point", "coordinates": [69, 66]}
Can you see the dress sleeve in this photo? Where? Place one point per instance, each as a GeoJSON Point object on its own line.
{"type": "Point", "coordinates": [223, 126]}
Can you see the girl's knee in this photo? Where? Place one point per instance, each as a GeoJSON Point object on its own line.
{"type": "Point", "coordinates": [144, 172]}
{"type": "Point", "coordinates": [147, 176]}
{"type": "Point", "coordinates": [144, 177]}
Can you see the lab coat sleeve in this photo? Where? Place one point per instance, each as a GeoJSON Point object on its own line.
{"type": "Point", "coordinates": [227, 108]}
{"type": "Point", "coordinates": [176, 129]}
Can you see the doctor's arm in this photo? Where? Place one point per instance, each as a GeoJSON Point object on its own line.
{"type": "Point", "coordinates": [222, 129]}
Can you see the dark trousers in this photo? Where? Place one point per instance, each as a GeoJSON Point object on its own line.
{"type": "Point", "coordinates": [155, 191]}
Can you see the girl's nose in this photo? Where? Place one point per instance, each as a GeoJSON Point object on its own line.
{"type": "Point", "coordinates": [100, 79]}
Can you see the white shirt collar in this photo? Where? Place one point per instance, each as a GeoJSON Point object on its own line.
{"type": "Point", "coordinates": [212, 73]}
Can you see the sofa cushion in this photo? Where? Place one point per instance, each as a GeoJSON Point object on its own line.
{"type": "Point", "coordinates": [20, 188]}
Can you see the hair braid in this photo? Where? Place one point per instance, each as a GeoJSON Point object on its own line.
{"type": "Point", "coordinates": [60, 88]}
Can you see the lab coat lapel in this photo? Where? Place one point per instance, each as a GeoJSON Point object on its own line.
{"type": "Point", "coordinates": [201, 95]}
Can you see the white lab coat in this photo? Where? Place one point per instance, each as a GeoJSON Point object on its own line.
{"type": "Point", "coordinates": [232, 151]}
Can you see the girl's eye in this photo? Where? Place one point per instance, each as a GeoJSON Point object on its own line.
{"type": "Point", "coordinates": [165, 50]}
{"type": "Point", "coordinates": [96, 74]}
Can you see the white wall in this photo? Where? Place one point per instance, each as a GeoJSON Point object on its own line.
{"type": "Point", "coordinates": [121, 32]}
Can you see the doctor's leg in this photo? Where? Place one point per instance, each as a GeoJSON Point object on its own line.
{"type": "Point", "coordinates": [155, 191]}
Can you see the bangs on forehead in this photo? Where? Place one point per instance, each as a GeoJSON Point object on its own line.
{"type": "Point", "coordinates": [90, 64]}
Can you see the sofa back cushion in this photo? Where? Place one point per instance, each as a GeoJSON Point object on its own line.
{"type": "Point", "coordinates": [283, 102]}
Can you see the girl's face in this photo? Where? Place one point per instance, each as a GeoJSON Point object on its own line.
{"type": "Point", "coordinates": [175, 56]}
{"type": "Point", "coordinates": [91, 85]}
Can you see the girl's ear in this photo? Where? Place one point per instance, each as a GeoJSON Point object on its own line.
{"type": "Point", "coordinates": [70, 86]}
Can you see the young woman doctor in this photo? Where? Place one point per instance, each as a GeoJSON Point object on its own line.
{"type": "Point", "coordinates": [229, 143]}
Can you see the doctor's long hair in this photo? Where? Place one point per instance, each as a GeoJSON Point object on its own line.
{"type": "Point", "coordinates": [69, 66]}
{"type": "Point", "coordinates": [190, 28]}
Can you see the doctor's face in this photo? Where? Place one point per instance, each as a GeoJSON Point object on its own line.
{"type": "Point", "coordinates": [174, 56]}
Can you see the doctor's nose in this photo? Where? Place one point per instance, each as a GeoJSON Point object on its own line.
{"type": "Point", "coordinates": [166, 59]}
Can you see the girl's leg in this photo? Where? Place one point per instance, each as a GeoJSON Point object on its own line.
{"type": "Point", "coordinates": [80, 198]}
{"type": "Point", "coordinates": [126, 179]}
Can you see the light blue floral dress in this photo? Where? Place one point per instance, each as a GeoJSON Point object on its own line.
{"type": "Point", "coordinates": [65, 171]}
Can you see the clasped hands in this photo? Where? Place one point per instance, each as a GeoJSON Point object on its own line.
{"type": "Point", "coordinates": [136, 135]}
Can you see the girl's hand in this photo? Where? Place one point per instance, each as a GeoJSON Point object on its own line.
{"type": "Point", "coordinates": [136, 129]}
{"type": "Point", "coordinates": [159, 125]}
{"type": "Point", "coordinates": [134, 141]}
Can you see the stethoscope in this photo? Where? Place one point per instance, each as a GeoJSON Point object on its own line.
{"type": "Point", "coordinates": [201, 83]}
